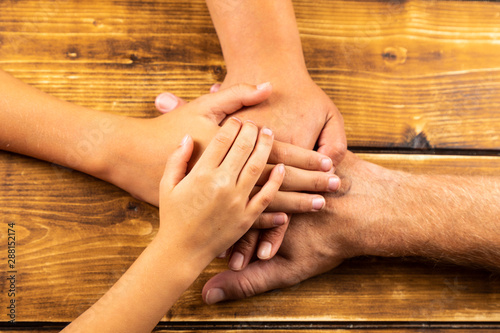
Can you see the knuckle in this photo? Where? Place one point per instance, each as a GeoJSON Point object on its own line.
{"type": "Point", "coordinates": [222, 138]}
{"type": "Point", "coordinates": [320, 183]}
{"type": "Point", "coordinates": [341, 148]}
{"type": "Point", "coordinates": [254, 169]}
{"type": "Point", "coordinates": [312, 163]}
{"type": "Point", "coordinates": [237, 90]}
{"type": "Point", "coordinates": [245, 244]}
{"type": "Point", "coordinates": [304, 204]}
{"type": "Point", "coordinates": [244, 146]}
{"type": "Point", "coordinates": [266, 200]}
{"type": "Point", "coordinates": [263, 220]}
{"type": "Point", "coordinates": [281, 154]}
{"type": "Point", "coordinates": [246, 286]}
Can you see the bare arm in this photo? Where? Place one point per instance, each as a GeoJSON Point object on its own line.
{"type": "Point", "coordinates": [258, 37]}
{"type": "Point", "coordinates": [445, 218]}
{"type": "Point", "coordinates": [118, 149]}
{"type": "Point", "coordinates": [384, 213]}
{"type": "Point", "coordinates": [200, 215]}
{"type": "Point", "coordinates": [260, 41]}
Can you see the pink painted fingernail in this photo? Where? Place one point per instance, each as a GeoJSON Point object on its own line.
{"type": "Point", "coordinates": [326, 164]}
{"type": "Point", "coordinates": [264, 250]}
{"type": "Point", "coordinates": [215, 295]}
{"type": "Point", "coordinates": [166, 102]}
{"type": "Point", "coordinates": [263, 86]}
{"type": "Point", "coordinates": [236, 262]}
{"type": "Point", "coordinates": [318, 203]}
{"type": "Point", "coordinates": [267, 131]}
{"type": "Point", "coordinates": [333, 184]}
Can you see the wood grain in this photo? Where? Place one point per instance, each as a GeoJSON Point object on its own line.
{"type": "Point", "coordinates": [413, 74]}
{"type": "Point", "coordinates": [77, 235]}
{"type": "Point", "coordinates": [405, 74]}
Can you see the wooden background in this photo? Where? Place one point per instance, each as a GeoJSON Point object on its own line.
{"type": "Point", "coordinates": [418, 83]}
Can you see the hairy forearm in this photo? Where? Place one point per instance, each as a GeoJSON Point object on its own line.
{"type": "Point", "coordinates": [259, 38]}
{"type": "Point", "coordinates": [391, 213]}
{"type": "Point", "coordinates": [451, 218]}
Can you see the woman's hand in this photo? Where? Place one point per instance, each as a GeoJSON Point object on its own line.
{"type": "Point", "coordinates": [137, 150]}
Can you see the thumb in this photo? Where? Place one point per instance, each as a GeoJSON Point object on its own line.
{"type": "Point", "coordinates": [166, 102]}
{"type": "Point", "coordinates": [332, 141]}
{"type": "Point", "coordinates": [258, 277]}
{"type": "Point", "coordinates": [175, 169]}
{"type": "Point", "coordinates": [218, 105]}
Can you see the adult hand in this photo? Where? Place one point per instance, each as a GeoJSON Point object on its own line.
{"type": "Point", "coordinates": [298, 111]}
{"type": "Point", "coordinates": [264, 243]}
{"type": "Point", "coordinates": [314, 243]}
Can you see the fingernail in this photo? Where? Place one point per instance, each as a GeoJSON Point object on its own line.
{"type": "Point", "coordinates": [222, 255]}
{"type": "Point", "coordinates": [215, 295]}
{"type": "Point", "coordinates": [215, 88]}
{"type": "Point", "coordinates": [166, 102]}
{"type": "Point", "coordinates": [318, 203]}
{"type": "Point", "coordinates": [264, 250]}
{"type": "Point", "coordinates": [267, 131]}
{"type": "Point", "coordinates": [333, 184]}
{"type": "Point", "coordinates": [279, 219]}
{"type": "Point", "coordinates": [281, 168]}
{"type": "Point", "coordinates": [236, 262]}
{"type": "Point", "coordinates": [184, 140]}
{"type": "Point", "coordinates": [326, 164]}
{"type": "Point", "coordinates": [263, 86]}
{"type": "Point", "coordinates": [236, 119]}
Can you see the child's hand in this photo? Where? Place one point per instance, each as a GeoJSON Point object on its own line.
{"type": "Point", "coordinates": [210, 209]}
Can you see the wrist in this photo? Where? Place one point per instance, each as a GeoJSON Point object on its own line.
{"type": "Point", "coordinates": [277, 71]}
{"type": "Point", "coordinates": [368, 213]}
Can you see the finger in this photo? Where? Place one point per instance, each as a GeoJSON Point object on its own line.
{"type": "Point", "coordinates": [256, 162]}
{"type": "Point", "coordinates": [217, 149]}
{"type": "Point", "coordinates": [243, 250]}
{"type": "Point", "coordinates": [270, 220]}
{"type": "Point", "coordinates": [270, 242]}
{"type": "Point", "coordinates": [332, 140]}
{"type": "Point", "coordinates": [176, 166]}
{"type": "Point", "coordinates": [304, 180]}
{"type": "Point", "coordinates": [166, 102]}
{"type": "Point", "coordinates": [215, 88]}
{"type": "Point", "coordinates": [294, 202]}
{"type": "Point", "coordinates": [298, 157]}
{"type": "Point", "coordinates": [224, 254]}
{"type": "Point", "coordinates": [265, 196]}
{"type": "Point", "coordinates": [258, 277]}
{"type": "Point", "coordinates": [218, 105]}
{"type": "Point", "coordinates": [240, 151]}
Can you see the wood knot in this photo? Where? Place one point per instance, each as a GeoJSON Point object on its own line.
{"type": "Point", "coordinates": [394, 55]}
{"type": "Point", "coordinates": [415, 140]}
{"type": "Point", "coordinates": [72, 53]}
{"type": "Point", "coordinates": [134, 58]}
{"type": "Point", "coordinates": [219, 73]}
{"type": "Point", "coordinates": [132, 206]}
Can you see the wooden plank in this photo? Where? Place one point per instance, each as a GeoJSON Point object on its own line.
{"type": "Point", "coordinates": [77, 235]}
{"type": "Point", "coordinates": [375, 330]}
{"type": "Point", "coordinates": [413, 74]}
